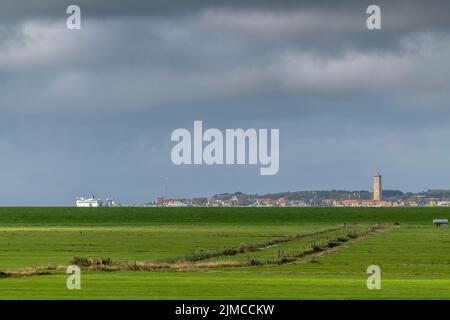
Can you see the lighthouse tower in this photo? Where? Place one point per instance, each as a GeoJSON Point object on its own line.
{"type": "Point", "coordinates": [377, 187]}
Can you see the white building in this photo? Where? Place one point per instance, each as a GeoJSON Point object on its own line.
{"type": "Point", "coordinates": [440, 222]}
{"type": "Point", "coordinates": [110, 203]}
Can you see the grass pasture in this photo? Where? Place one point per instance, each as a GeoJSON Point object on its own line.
{"type": "Point", "coordinates": [414, 256]}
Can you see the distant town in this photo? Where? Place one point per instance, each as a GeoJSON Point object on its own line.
{"type": "Point", "coordinates": [331, 198]}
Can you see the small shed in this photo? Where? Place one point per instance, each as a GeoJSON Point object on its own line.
{"type": "Point", "coordinates": [440, 222]}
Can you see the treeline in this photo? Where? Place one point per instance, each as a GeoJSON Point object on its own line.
{"type": "Point", "coordinates": [340, 195]}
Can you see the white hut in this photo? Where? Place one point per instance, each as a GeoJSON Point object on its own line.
{"type": "Point", "coordinates": [440, 222]}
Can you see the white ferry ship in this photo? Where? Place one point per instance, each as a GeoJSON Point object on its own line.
{"type": "Point", "coordinates": [89, 202]}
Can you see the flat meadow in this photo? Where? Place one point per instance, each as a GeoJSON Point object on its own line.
{"type": "Point", "coordinates": [224, 253]}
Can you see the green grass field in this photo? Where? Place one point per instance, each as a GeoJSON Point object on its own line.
{"type": "Point", "coordinates": [414, 257]}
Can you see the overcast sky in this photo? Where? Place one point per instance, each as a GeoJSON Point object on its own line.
{"type": "Point", "coordinates": [91, 111]}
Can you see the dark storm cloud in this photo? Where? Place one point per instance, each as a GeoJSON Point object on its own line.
{"type": "Point", "coordinates": [436, 9]}
{"type": "Point", "coordinates": [220, 50]}
{"type": "Point", "coordinates": [202, 51]}
{"type": "Point", "coordinates": [398, 15]}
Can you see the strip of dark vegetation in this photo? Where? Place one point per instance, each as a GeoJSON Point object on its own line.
{"type": "Point", "coordinates": [25, 273]}
{"type": "Point", "coordinates": [243, 248]}
{"type": "Point", "coordinates": [200, 260]}
{"type": "Point", "coordinates": [315, 248]}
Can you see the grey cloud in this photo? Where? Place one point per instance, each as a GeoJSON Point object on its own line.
{"type": "Point", "coordinates": [17, 8]}
{"type": "Point", "coordinates": [202, 59]}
